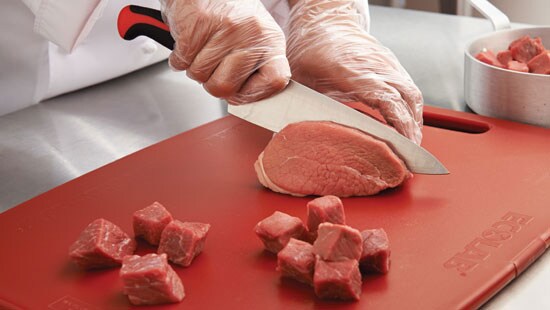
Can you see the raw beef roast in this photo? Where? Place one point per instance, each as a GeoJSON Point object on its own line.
{"type": "Point", "coordinates": [276, 230]}
{"type": "Point", "coordinates": [337, 280]}
{"type": "Point", "coordinates": [150, 222]}
{"type": "Point", "coordinates": [149, 280]}
{"type": "Point", "coordinates": [182, 242]}
{"type": "Point", "coordinates": [296, 260]}
{"type": "Point", "coordinates": [376, 251]}
{"type": "Point", "coordinates": [102, 244]}
{"type": "Point", "coordinates": [324, 158]}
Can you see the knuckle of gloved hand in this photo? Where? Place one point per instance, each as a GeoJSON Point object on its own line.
{"type": "Point", "coordinates": [220, 88]}
{"type": "Point", "coordinates": [197, 74]}
{"type": "Point", "coordinates": [177, 62]}
{"type": "Point", "coordinates": [278, 82]}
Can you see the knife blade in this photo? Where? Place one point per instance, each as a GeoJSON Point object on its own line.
{"type": "Point", "coordinates": [295, 103]}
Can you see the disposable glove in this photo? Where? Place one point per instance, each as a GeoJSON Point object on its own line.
{"type": "Point", "coordinates": [329, 51]}
{"type": "Point", "coordinates": [235, 48]}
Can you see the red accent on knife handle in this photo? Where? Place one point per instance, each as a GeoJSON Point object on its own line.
{"type": "Point", "coordinates": [134, 21]}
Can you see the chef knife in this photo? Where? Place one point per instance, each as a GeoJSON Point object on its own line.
{"type": "Point", "coordinates": [295, 103]}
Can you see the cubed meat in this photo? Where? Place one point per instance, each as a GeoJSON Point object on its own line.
{"type": "Point", "coordinates": [525, 48]}
{"type": "Point", "coordinates": [489, 58]}
{"type": "Point", "coordinates": [149, 280]}
{"type": "Point", "coordinates": [517, 66]}
{"type": "Point", "coordinates": [338, 242]}
{"type": "Point", "coordinates": [102, 244]}
{"type": "Point", "coordinates": [504, 57]}
{"type": "Point", "coordinates": [376, 251]}
{"type": "Point", "coordinates": [540, 64]}
{"type": "Point", "coordinates": [296, 260]}
{"type": "Point", "coordinates": [150, 222]}
{"type": "Point", "coordinates": [324, 209]}
{"type": "Point", "coordinates": [276, 230]}
{"type": "Point", "coordinates": [337, 280]}
{"type": "Point", "coordinates": [182, 242]}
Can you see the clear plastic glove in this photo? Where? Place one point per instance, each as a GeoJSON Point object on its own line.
{"type": "Point", "coordinates": [234, 48]}
{"type": "Point", "coordinates": [329, 51]}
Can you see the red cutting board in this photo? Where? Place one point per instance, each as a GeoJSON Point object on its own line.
{"type": "Point", "coordinates": [456, 239]}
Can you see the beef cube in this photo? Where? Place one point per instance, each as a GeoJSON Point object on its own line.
{"type": "Point", "coordinates": [540, 64]}
{"type": "Point", "coordinates": [296, 260]}
{"type": "Point", "coordinates": [182, 242]}
{"type": "Point", "coordinates": [338, 242]}
{"type": "Point", "coordinates": [149, 280]}
{"type": "Point", "coordinates": [517, 66]}
{"type": "Point", "coordinates": [324, 209]}
{"type": "Point", "coordinates": [376, 251]}
{"type": "Point", "coordinates": [504, 57]}
{"type": "Point", "coordinates": [337, 280]}
{"type": "Point", "coordinates": [102, 244]}
{"type": "Point", "coordinates": [150, 222]}
{"type": "Point", "coordinates": [525, 48]}
{"type": "Point", "coordinates": [489, 58]}
{"type": "Point", "coordinates": [276, 230]}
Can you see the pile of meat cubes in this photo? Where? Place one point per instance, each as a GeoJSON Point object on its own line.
{"type": "Point", "coordinates": [147, 279]}
{"type": "Point", "coordinates": [327, 254]}
{"type": "Point", "coordinates": [524, 55]}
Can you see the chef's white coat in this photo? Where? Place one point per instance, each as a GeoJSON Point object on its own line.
{"type": "Point", "coordinates": [51, 47]}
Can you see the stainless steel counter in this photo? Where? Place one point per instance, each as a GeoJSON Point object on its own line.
{"type": "Point", "coordinates": [58, 140]}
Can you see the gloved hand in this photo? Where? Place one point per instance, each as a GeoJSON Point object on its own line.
{"type": "Point", "coordinates": [234, 48]}
{"type": "Point", "coordinates": [329, 51]}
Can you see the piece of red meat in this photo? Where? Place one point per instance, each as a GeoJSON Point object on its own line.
{"type": "Point", "coordinates": [376, 251]}
{"type": "Point", "coordinates": [517, 66]}
{"type": "Point", "coordinates": [149, 280]}
{"type": "Point", "coordinates": [182, 242]}
{"type": "Point", "coordinates": [504, 57]}
{"type": "Point", "coordinates": [102, 244]}
{"type": "Point", "coordinates": [324, 209]}
{"type": "Point", "coordinates": [323, 158]}
{"type": "Point", "coordinates": [540, 64]}
{"type": "Point", "coordinates": [337, 280]}
{"type": "Point", "coordinates": [489, 57]}
{"type": "Point", "coordinates": [149, 222]}
{"type": "Point", "coordinates": [276, 230]}
{"type": "Point", "coordinates": [297, 261]}
{"type": "Point", "coordinates": [338, 242]}
{"type": "Point", "coordinates": [525, 48]}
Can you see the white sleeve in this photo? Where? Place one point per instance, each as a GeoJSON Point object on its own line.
{"type": "Point", "coordinates": [65, 22]}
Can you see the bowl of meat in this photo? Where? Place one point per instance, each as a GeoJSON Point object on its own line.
{"type": "Point", "coordinates": [507, 72]}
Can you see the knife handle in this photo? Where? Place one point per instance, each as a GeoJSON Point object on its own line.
{"type": "Point", "coordinates": [134, 21]}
